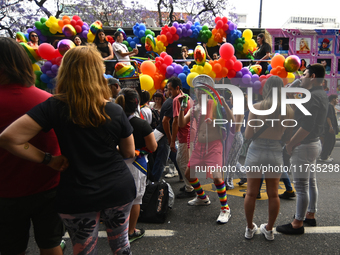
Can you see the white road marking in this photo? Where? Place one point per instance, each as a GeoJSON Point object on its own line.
{"type": "Point", "coordinates": [313, 230]}
{"type": "Point", "coordinates": [148, 233]}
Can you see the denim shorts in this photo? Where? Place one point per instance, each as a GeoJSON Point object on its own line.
{"type": "Point", "coordinates": [264, 156]}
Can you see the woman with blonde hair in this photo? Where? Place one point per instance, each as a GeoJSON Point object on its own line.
{"type": "Point", "coordinates": [95, 183]}
{"type": "Point", "coordinates": [265, 150]}
{"type": "Point", "coordinates": [304, 45]}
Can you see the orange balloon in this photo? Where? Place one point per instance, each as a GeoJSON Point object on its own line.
{"type": "Point", "coordinates": [224, 72]}
{"type": "Point", "coordinates": [273, 71]}
{"type": "Point", "coordinates": [217, 68]}
{"type": "Point", "coordinates": [163, 38]}
{"type": "Point", "coordinates": [214, 31]}
{"type": "Point", "coordinates": [66, 22]}
{"type": "Point", "coordinates": [221, 61]}
{"type": "Point", "coordinates": [278, 60]}
{"type": "Point", "coordinates": [148, 67]}
{"type": "Point", "coordinates": [61, 23]}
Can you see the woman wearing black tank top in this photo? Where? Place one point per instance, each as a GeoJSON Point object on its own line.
{"type": "Point", "coordinates": [105, 49]}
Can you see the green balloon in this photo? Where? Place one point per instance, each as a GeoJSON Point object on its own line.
{"type": "Point", "coordinates": [142, 40]}
{"type": "Point", "coordinates": [238, 40]}
{"type": "Point", "coordinates": [148, 32]}
{"type": "Point", "coordinates": [43, 20]}
{"type": "Point", "coordinates": [38, 74]}
{"type": "Point", "coordinates": [129, 48]}
{"type": "Point", "coordinates": [126, 43]}
{"type": "Point", "coordinates": [153, 34]}
{"type": "Point", "coordinates": [46, 28]}
{"type": "Point", "coordinates": [205, 27]}
{"type": "Point", "coordinates": [38, 25]}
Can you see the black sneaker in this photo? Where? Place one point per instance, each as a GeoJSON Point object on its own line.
{"type": "Point", "coordinates": [182, 189]}
{"type": "Point", "coordinates": [139, 233]}
{"type": "Point", "coordinates": [185, 194]}
{"type": "Point", "coordinates": [310, 222]}
{"type": "Point", "coordinates": [289, 230]}
{"type": "Point", "coordinates": [242, 181]}
{"type": "Point", "coordinates": [287, 195]}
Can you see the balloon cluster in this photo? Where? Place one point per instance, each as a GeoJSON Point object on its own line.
{"type": "Point", "coordinates": [139, 31]}
{"type": "Point", "coordinates": [95, 26]}
{"type": "Point", "coordinates": [285, 67]}
{"type": "Point", "coordinates": [249, 43]}
{"type": "Point", "coordinates": [245, 78]}
{"type": "Point", "coordinates": [219, 31]}
{"type": "Point", "coordinates": [46, 77]}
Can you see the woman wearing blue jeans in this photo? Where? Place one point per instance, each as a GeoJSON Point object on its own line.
{"type": "Point", "coordinates": [265, 151]}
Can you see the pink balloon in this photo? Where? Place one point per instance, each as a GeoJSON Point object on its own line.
{"type": "Point", "coordinates": [46, 51]}
{"type": "Point", "coordinates": [227, 51]}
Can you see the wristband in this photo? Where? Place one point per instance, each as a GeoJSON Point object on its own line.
{"type": "Point", "coordinates": [47, 158]}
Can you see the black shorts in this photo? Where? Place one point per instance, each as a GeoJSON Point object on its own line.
{"type": "Point", "coordinates": [16, 215]}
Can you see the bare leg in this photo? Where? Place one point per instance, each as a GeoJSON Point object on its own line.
{"type": "Point", "coordinates": [250, 199]}
{"type": "Point", "coordinates": [273, 201]}
{"type": "Point", "coordinates": [53, 251]}
{"type": "Point", "coordinates": [190, 177]}
{"type": "Point", "coordinates": [134, 214]}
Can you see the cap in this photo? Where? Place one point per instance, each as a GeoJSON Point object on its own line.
{"type": "Point", "coordinates": [325, 41]}
{"type": "Point", "coordinates": [113, 81]}
{"type": "Point", "coordinates": [202, 79]}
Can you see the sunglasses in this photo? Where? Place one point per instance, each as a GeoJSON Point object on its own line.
{"type": "Point", "coordinates": [34, 36]}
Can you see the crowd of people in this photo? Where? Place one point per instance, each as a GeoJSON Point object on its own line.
{"type": "Point", "coordinates": [85, 154]}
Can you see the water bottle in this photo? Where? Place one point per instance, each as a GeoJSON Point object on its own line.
{"type": "Point", "coordinates": [184, 104]}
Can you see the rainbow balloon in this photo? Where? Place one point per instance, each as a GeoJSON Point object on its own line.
{"type": "Point", "coordinates": [199, 55]}
{"type": "Point", "coordinates": [69, 30]}
{"type": "Point", "coordinates": [255, 69]}
{"type": "Point", "coordinates": [95, 26]}
{"type": "Point", "coordinates": [64, 45]}
{"type": "Point", "coordinates": [124, 71]}
{"type": "Point", "coordinates": [292, 63]}
{"type": "Point", "coordinates": [32, 54]}
{"type": "Point", "coordinates": [20, 37]}
{"type": "Point", "coordinates": [150, 43]}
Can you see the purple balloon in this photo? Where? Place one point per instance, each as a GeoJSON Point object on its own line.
{"type": "Point", "coordinates": [187, 26]}
{"type": "Point", "coordinates": [43, 69]}
{"type": "Point", "coordinates": [228, 22]}
{"type": "Point", "coordinates": [84, 23]}
{"type": "Point", "coordinates": [189, 32]}
{"type": "Point", "coordinates": [180, 25]}
{"type": "Point", "coordinates": [170, 70]}
{"type": "Point", "coordinates": [174, 75]}
{"type": "Point", "coordinates": [175, 24]}
{"type": "Point", "coordinates": [178, 69]}
{"type": "Point", "coordinates": [54, 69]}
{"type": "Point", "coordinates": [50, 74]}
{"type": "Point", "coordinates": [190, 23]}
{"type": "Point", "coordinates": [48, 65]}
{"type": "Point", "coordinates": [238, 74]}
{"type": "Point", "coordinates": [184, 30]}
{"type": "Point", "coordinates": [29, 30]}
{"type": "Point", "coordinates": [179, 31]}
{"type": "Point", "coordinates": [257, 85]}
{"type": "Point", "coordinates": [37, 32]}
{"type": "Point", "coordinates": [167, 75]}
{"type": "Point", "coordinates": [245, 70]}
{"type": "Point", "coordinates": [84, 27]}
{"type": "Point", "coordinates": [254, 77]}
{"type": "Point", "coordinates": [246, 79]}
{"type": "Point", "coordinates": [42, 38]}
{"type": "Point", "coordinates": [231, 26]}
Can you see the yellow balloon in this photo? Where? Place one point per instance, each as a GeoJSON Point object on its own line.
{"type": "Point", "coordinates": [291, 77]}
{"type": "Point", "coordinates": [146, 82]}
{"type": "Point", "coordinates": [35, 67]}
{"type": "Point", "coordinates": [190, 77]}
{"type": "Point", "coordinates": [200, 69]}
{"type": "Point", "coordinates": [151, 92]}
{"type": "Point", "coordinates": [247, 34]}
{"type": "Point", "coordinates": [212, 74]}
{"type": "Point", "coordinates": [207, 68]}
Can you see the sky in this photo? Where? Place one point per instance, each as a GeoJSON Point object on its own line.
{"type": "Point", "coordinates": [275, 13]}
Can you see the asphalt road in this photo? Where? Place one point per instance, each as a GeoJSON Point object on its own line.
{"type": "Point", "coordinates": [193, 230]}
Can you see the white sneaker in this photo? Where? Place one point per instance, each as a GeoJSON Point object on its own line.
{"type": "Point", "coordinates": [175, 172]}
{"type": "Point", "coordinates": [224, 216]}
{"type": "Point", "coordinates": [170, 174]}
{"type": "Point", "coordinates": [198, 201]}
{"type": "Point", "coordinates": [250, 232]}
{"type": "Point", "coordinates": [269, 235]}
{"type": "Point", "coordinates": [328, 160]}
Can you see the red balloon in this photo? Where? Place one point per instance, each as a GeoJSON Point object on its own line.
{"type": "Point", "coordinates": [73, 22]}
{"type": "Point", "coordinates": [76, 18]}
{"type": "Point", "coordinates": [78, 29]}
{"type": "Point", "coordinates": [219, 24]}
{"type": "Point", "coordinates": [163, 68]}
{"type": "Point", "coordinates": [229, 64]}
{"type": "Point", "coordinates": [173, 30]}
{"type": "Point", "coordinates": [225, 19]}
{"type": "Point", "coordinates": [163, 55]}
{"type": "Point", "coordinates": [58, 60]}
{"type": "Point", "coordinates": [262, 77]}
{"type": "Point", "coordinates": [168, 60]}
{"type": "Point", "coordinates": [80, 23]}
{"type": "Point", "coordinates": [237, 66]}
{"type": "Point", "coordinates": [231, 73]}
{"type": "Point", "coordinates": [168, 36]}
{"type": "Point", "coordinates": [227, 51]}
{"type": "Point", "coordinates": [46, 51]}
{"type": "Point", "coordinates": [225, 27]}
{"type": "Point", "coordinates": [217, 19]}
{"type": "Point", "coordinates": [234, 59]}
{"type": "Point", "coordinates": [175, 37]}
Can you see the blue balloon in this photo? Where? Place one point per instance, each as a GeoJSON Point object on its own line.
{"type": "Point", "coordinates": [44, 78]}
{"type": "Point", "coordinates": [142, 27]}
{"type": "Point", "coordinates": [129, 39]}
{"type": "Point", "coordinates": [141, 33]}
{"type": "Point", "coordinates": [269, 68]}
{"type": "Point", "coordinates": [132, 44]}
{"type": "Point", "coordinates": [50, 86]}
{"type": "Point", "coordinates": [197, 23]}
{"type": "Point", "coordinates": [136, 40]}
{"type": "Point", "coordinates": [182, 77]}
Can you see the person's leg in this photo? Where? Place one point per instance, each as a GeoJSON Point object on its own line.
{"type": "Point", "coordinates": [286, 181]}
{"type": "Point", "coordinates": [313, 197]}
{"type": "Point", "coordinates": [222, 193]}
{"type": "Point", "coordinates": [116, 220]}
{"type": "Point", "coordinates": [83, 231]}
{"type": "Point", "coordinates": [250, 199]}
{"type": "Point", "coordinates": [160, 161]}
{"type": "Point", "coordinates": [273, 201]}
{"type": "Point", "coordinates": [172, 156]}
{"type": "Point", "coordinates": [182, 159]}
{"type": "Point", "coordinates": [233, 157]}
{"type": "Point", "coordinates": [327, 146]}
{"type": "Point", "coordinates": [134, 214]}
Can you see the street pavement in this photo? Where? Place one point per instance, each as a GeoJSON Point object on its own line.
{"type": "Point", "coordinates": [193, 230]}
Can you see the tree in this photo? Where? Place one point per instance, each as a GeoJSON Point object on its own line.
{"type": "Point", "coordinates": [18, 15]}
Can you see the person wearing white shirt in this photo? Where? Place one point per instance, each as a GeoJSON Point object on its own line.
{"type": "Point", "coordinates": [120, 50]}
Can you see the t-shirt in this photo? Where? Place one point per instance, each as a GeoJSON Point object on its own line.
{"type": "Point", "coordinates": [262, 51]}
{"type": "Point", "coordinates": [147, 114]}
{"type": "Point", "coordinates": [116, 46]}
{"type": "Point", "coordinates": [97, 177]}
{"type": "Point", "coordinates": [182, 134]}
{"type": "Point", "coordinates": [331, 114]}
{"type": "Point", "coordinates": [166, 110]}
{"type": "Point", "coordinates": [20, 177]}
{"type": "Point", "coordinates": [141, 129]}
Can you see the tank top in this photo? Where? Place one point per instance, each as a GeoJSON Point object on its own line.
{"type": "Point", "coordinates": [103, 49]}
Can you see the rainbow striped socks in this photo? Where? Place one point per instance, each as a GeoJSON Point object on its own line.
{"type": "Point", "coordinates": [222, 195]}
{"type": "Point", "coordinates": [198, 188]}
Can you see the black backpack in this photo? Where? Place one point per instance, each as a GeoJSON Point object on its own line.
{"type": "Point", "coordinates": [155, 203]}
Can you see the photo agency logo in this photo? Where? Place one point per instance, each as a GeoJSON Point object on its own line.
{"type": "Point", "coordinates": [238, 105]}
